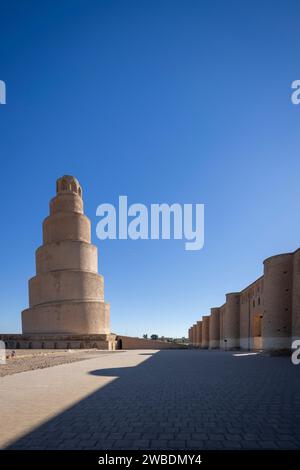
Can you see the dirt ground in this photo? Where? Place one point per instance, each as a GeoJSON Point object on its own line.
{"type": "Point", "coordinates": [25, 359]}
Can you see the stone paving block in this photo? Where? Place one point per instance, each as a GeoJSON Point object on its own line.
{"type": "Point", "coordinates": [171, 400]}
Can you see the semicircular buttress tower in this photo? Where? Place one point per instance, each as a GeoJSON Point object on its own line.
{"type": "Point", "coordinates": [67, 294]}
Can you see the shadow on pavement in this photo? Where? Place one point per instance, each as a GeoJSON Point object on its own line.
{"type": "Point", "coordinates": [182, 400]}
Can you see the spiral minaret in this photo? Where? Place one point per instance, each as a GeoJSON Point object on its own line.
{"type": "Point", "coordinates": [66, 296]}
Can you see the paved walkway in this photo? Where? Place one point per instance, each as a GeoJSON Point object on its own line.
{"type": "Point", "coordinates": [178, 399]}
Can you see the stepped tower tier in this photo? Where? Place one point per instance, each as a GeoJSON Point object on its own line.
{"type": "Point", "coordinates": [66, 296]}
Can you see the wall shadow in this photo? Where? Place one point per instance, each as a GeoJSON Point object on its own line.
{"type": "Point", "coordinates": [180, 399]}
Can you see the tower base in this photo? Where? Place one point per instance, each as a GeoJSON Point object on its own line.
{"type": "Point", "coordinates": [67, 317]}
{"type": "Point", "coordinates": [59, 341]}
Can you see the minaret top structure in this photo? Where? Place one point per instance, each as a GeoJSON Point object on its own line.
{"type": "Point", "coordinates": [68, 196]}
{"type": "Point", "coordinates": [68, 183]}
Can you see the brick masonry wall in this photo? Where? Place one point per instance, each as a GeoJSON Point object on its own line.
{"type": "Point", "coordinates": [129, 342]}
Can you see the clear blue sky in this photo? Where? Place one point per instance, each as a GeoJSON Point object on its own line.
{"type": "Point", "coordinates": [163, 101]}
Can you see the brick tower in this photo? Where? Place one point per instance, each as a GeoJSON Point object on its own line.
{"type": "Point", "coordinates": [66, 296]}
